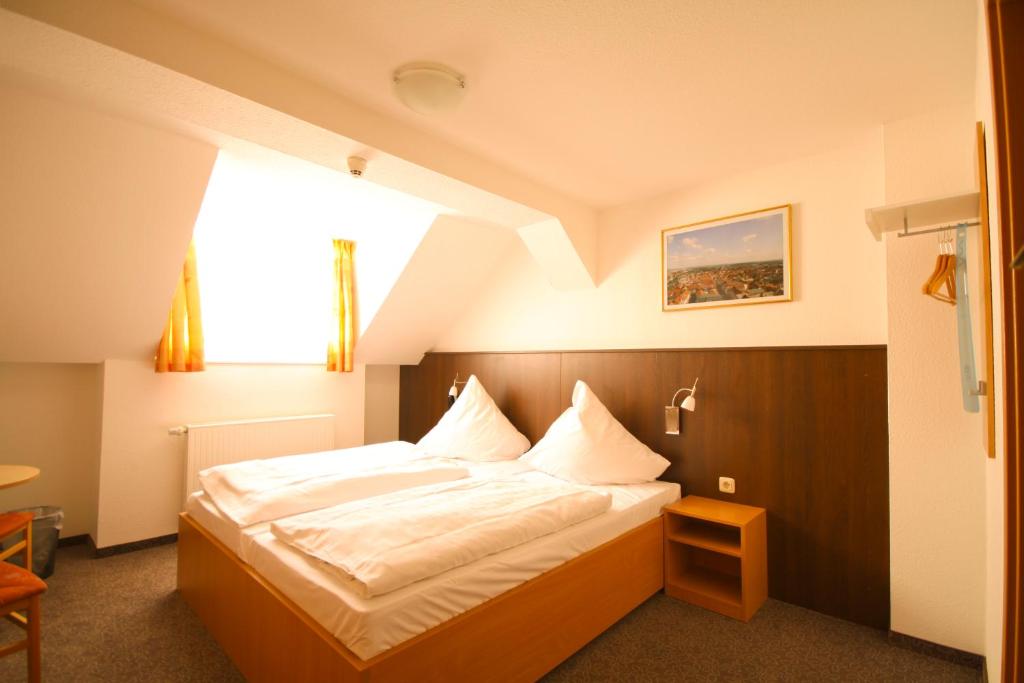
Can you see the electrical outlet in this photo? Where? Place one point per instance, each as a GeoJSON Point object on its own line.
{"type": "Point", "coordinates": [727, 485]}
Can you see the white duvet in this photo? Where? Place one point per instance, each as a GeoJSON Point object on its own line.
{"type": "Point", "coordinates": [403, 537]}
{"type": "Point", "coordinates": [257, 491]}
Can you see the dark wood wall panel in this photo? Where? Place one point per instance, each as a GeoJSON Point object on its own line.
{"type": "Point", "coordinates": [524, 385]}
{"type": "Point", "coordinates": [803, 431]}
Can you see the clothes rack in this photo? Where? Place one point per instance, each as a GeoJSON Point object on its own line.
{"type": "Point", "coordinates": [942, 228]}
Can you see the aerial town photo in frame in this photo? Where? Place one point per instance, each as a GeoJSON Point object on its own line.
{"type": "Point", "coordinates": [741, 259]}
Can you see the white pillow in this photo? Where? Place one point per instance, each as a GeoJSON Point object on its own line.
{"type": "Point", "coordinates": [586, 444]}
{"type": "Point", "coordinates": [474, 429]}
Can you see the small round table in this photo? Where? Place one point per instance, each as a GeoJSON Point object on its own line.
{"type": "Point", "coordinates": [12, 475]}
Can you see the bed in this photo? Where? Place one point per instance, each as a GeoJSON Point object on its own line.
{"type": "Point", "coordinates": [281, 616]}
{"type": "Point", "coordinates": [513, 613]}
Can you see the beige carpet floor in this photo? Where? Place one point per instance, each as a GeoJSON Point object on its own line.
{"type": "Point", "coordinates": [120, 619]}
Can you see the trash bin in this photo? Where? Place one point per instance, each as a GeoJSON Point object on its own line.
{"type": "Point", "coordinates": [47, 521]}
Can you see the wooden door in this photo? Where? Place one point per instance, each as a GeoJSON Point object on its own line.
{"type": "Point", "coordinates": [1006, 40]}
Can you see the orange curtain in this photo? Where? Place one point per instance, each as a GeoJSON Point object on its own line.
{"type": "Point", "coordinates": [181, 348]}
{"type": "Point", "coordinates": [341, 346]}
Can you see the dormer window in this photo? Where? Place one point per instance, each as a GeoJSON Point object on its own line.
{"type": "Point", "coordinates": [264, 241]}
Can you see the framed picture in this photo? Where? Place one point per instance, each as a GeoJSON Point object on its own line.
{"type": "Point", "coordinates": [741, 259]}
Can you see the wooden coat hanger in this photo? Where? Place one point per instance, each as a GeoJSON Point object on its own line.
{"type": "Point", "coordinates": [940, 268]}
{"type": "Point", "coordinates": [944, 273]}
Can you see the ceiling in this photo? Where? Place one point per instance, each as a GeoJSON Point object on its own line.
{"type": "Point", "coordinates": [609, 104]}
{"type": "Point", "coordinates": [90, 277]}
{"type": "Point", "coordinates": [96, 213]}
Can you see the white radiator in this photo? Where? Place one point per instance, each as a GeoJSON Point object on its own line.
{"type": "Point", "coordinates": [219, 443]}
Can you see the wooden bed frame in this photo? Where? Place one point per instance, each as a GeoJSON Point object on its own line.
{"type": "Point", "coordinates": [517, 636]}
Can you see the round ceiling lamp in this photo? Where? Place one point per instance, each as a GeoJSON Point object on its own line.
{"type": "Point", "coordinates": [429, 88]}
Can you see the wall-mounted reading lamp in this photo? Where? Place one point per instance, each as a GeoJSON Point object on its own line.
{"type": "Point", "coordinates": [453, 393]}
{"type": "Point", "coordinates": [672, 410]}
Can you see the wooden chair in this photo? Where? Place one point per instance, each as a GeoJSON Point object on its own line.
{"type": "Point", "coordinates": [12, 523]}
{"type": "Point", "coordinates": [20, 590]}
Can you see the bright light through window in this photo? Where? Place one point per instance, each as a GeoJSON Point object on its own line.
{"type": "Point", "coordinates": [263, 244]}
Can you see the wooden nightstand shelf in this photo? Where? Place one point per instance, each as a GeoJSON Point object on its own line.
{"type": "Point", "coordinates": [716, 555]}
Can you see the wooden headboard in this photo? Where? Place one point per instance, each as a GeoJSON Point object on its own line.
{"type": "Point", "coordinates": [802, 430]}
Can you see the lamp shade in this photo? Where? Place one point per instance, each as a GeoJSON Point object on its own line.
{"type": "Point", "coordinates": [689, 403]}
{"type": "Point", "coordinates": [429, 88]}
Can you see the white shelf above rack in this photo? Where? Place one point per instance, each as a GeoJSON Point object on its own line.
{"type": "Point", "coordinates": [922, 214]}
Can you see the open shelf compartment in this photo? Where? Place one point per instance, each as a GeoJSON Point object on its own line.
{"type": "Point", "coordinates": [702, 575]}
{"type": "Point", "coordinates": [719, 538]}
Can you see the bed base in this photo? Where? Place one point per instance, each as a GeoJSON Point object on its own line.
{"type": "Point", "coordinates": [517, 636]}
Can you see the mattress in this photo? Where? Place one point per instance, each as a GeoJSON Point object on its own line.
{"type": "Point", "coordinates": [201, 508]}
{"type": "Point", "coordinates": [238, 539]}
{"type": "Point", "coordinates": [369, 626]}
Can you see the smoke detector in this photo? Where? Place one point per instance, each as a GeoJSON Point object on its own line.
{"type": "Point", "coordinates": [356, 166]}
{"type": "Point", "coordinates": [428, 87]}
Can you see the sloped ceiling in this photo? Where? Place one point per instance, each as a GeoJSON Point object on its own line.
{"type": "Point", "coordinates": [158, 66]}
{"type": "Point", "coordinates": [96, 213]}
{"type": "Point", "coordinates": [108, 84]}
{"type": "Point", "coordinates": [436, 286]}
{"type": "Point", "coordinates": [613, 101]}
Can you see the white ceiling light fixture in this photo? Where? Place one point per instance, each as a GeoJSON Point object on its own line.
{"type": "Point", "coordinates": [428, 87]}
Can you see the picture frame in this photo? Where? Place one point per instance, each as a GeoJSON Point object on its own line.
{"type": "Point", "coordinates": [745, 258]}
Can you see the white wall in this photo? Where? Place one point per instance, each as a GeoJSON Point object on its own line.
{"type": "Point", "coordinates": [930, 155]}
{"type": "Point", "coordinates": [839, 270]}
{"type": "Point", "coordinates": [936, 465]}
{"type": "Point", "coordinates": [936, 450]}
{"type": "Point", "coordinates": [142, 468]}
{"type": "Point", "coordinates": [50, 419]}
{"type": "Point", "coordinates": [381, 412]}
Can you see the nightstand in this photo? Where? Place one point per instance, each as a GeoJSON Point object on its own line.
{"type": "Point", "coordinates": [716, 555]}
